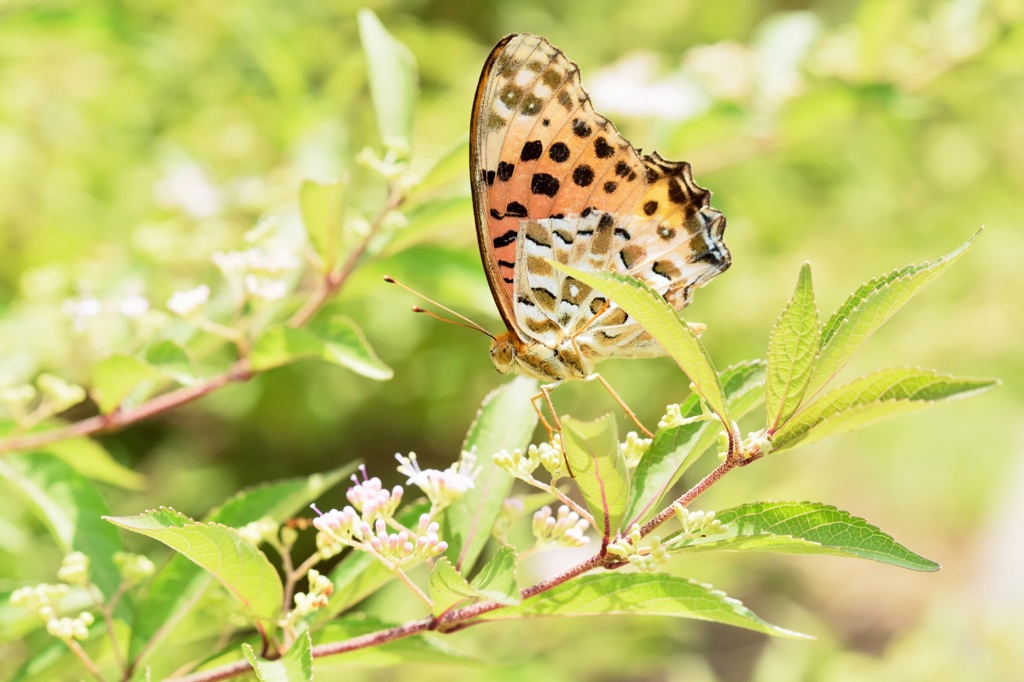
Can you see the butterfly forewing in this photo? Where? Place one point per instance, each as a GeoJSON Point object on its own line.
{"type": "Point", "coordinates": [538, 150]}
{"type": "Point", "coordinates": [553, 179]}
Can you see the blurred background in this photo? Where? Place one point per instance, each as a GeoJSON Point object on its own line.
{"type": "Point", "coordinates": [138, 138]}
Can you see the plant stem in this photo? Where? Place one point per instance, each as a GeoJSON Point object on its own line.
{"type": "Point", "coordinates": [104, 423]}
{"type": "Point", "coordinates": [690, 495]}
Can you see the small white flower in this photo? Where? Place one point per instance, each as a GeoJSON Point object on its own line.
{"type": "Point", "coordinates": [71, 628]}
{"type": "Point", "coordinates": [567, 529]}
{"type": "Point", "coordinates": [646, 559]}
{"type": "Point", "coordinates": [134, 306]}
{"type": "Point", "coordinates": [81, 309]}
{"type": "Point", "coordinates": [186, 187]}
{"type": "Point", "coordinates": [697, 522]}
{"type": "Point", "coordinates": [40, 598]}
{"type": "Point", "coordinates": [518, 464]}
{"type": "Point", "coordinates": [634, 448]}
{"type": "Point", "coordinates": [371, 499]}
{"type": "Point", "coordinates": [190, 302]}
{"type": "Point", "coordinates": [74, 570]}
{"type": "Point", "coordinates": [441, 487]}
{"type": "Point", "coordinates": [259, 530]}
{"type": "Point", "coordinates": [134, 568]}
{"type": "Point", "coordinates": [265, 289]}
{"type": "Point", "coordinates": [551, 457]}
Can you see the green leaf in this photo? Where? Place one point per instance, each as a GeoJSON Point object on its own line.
{"type": "Point", "coordinates": [283, 345]}
{"type": "Point", "coordinates": [295, 666]}
{"type": "Point", "coordinates": [676, 448]}
{"type": "Point", "coordinates": [868, 308]}
{"type": "Point", "coordinates": [792, 349]}
{"type": "Point", "coordinates": [177, 587]}
{"type": "Point", "coordinates": [881, 394]}
{"type": "Point", "coordinates": [92, 460]}
{"type": "Point", "coordinates": [70, 506]}
{"type": "Point", "coordinates": [345, 345]}
{"type": "Point", "coordinates": [120, 377]}
{"type": "Point", "coordinates": [237, 563]}
{"type": "Point", "coordinates": [666, 326]}
{"type": "Point", "coordinates": [451, 167]}
{"type": "Point", "coordinates": [802, 528]}
{"type": "Point", "coordinates": [322, 208]}
{"type": "Point", "coordinates": [506, 420]}
{"type": "Point", "coordinates": [496, 581]}
{"type": "Point", "coordinates": [426, 219]}
{"type": "Point", "coordinates": [448, 587]}
{"type": "Point", "coordinates": [172, 360]}
{"type": "Point", "coordinates": [392, 77]}
{"type": "Point", "coordinates": [337, 340]}
{"type": "Point", "coordinates": [640, 594]}
{"type": "Point", "coordinates": [592, 449]}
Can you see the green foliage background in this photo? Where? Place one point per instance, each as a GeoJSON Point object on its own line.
{"type": "Point", "coordinates": [137, 138]}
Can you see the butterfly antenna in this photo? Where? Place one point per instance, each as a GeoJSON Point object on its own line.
{"type": "Point", "coordinates": [466, 322]}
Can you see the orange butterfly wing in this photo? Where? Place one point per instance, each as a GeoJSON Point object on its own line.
{"type": "Point", "coordinates": [538, 150]}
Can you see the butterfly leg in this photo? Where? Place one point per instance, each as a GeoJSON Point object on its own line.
{"type": "Point", "coordinates": [622, 404]}
{"type": "Point", "coordinates": [545, 393]}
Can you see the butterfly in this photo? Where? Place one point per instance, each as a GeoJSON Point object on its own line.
{"type": "Point", "coordinates": [553, 180]}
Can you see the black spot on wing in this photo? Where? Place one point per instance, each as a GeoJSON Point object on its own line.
{"type": "Point", "coordinates": [505, 171]}
{"type": "Point", "coordinates": [532, 150]}
{"type": "Point", "coordinates": [543, 183]}
{"type": "Point", "coordinates": [505, 239]}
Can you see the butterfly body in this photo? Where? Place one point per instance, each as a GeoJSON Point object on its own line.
{"type": "Point", "coordinates": [555, 181]}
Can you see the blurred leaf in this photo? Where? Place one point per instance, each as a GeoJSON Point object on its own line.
{"type": "Point", "coordinates": [449, 168]}
{"type": "Point", "coordinates": [92, 460]}
{"type": "Point", "coordinates": [792, 348]}
{"type": "Point", "coordinates": [322, 213]}
{"type": "Point", "coordinates": [496, 581]}
{"type": "Point", "coordinates": [599, 472]}
{"type": "Point", "coordinates": [392, 77]}
{"type": "Point", "coordinates": [237, 563]}
{"type": "Point", "coordinates": [70, 506]}
{"type": "Point", "coordinates": [172, 360]}
{"type": "Point", "coordinates": [641, 594]}
{"type": "Point", "coordinates": [675, 448]}
{"type": "Point", "coordinates": [337, 340]}
{"type": "Point", "coordinates": [802, 528]}
{"type": "Point", "coordinates": [868, 308]}
{"type": "Point", "coordinates": [448, 587]}
{"type": "Point", "coordinates": [662, 322]}
{"type": "Point", "coordinates": [881, 394]}
{"type": "Point", "coordinates": [175, 589]}
{"type": "Point", "coordinates": [119, 377]}
{"type": "Point", "coordinates": [345, 345]}
{"type": "Point", "coordinates": [506, 421]}
{"type": "Point", "coordinates": [295, 666]}
{"type": "Point", "coordinates": [283, 345]}
{"type": "Point", "coordinates": [426, 218]}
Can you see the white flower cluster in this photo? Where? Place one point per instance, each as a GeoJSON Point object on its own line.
{"type": "Point", "coordinates": [397, 549]}
{"type": "Point", "coordinates": [646, 559]}
{"type": "Point", "coordinates": [134, 568]}
{"type": "Point", "coordinates": [633, 448]}
{"type": "Point", "coordinates": [74, 570]}
{"type": "Point", "coordinates": [55, 395]}
{"type": "Point", "coordinates": [441, 487]}
{"type": "Point", "coordinates": [190, 302]}
{"type": "Point", "coordinates": [566, 529]}
{"type": "Point", "coordinates": [258, 531]}
{"type": "Point", "coordinates": [320, 588]}
{"type": "Point", "coordinates": [43, 599]}
{"type": "Point", "coordinates": [697, 522]}
{"type": "Point", "coordinates": [87, 307]}
{"type": "Point", "coordinates": [522, 466]}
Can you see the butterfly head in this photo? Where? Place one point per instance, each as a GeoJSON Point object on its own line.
{"type": "Point", "coordinates": [503, 353]}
